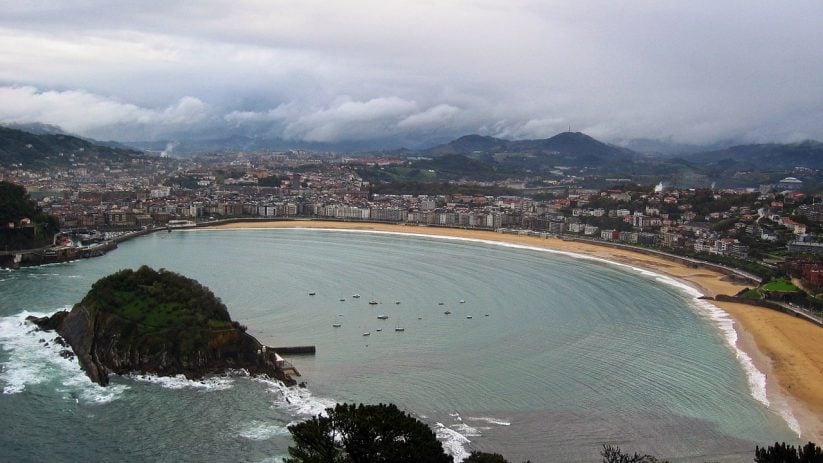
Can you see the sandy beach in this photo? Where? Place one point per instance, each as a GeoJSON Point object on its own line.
{"type": "Point", "coordinates": [788, 350]}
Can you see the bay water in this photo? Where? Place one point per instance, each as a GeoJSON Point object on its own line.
{"type": "Point", "coordinates": [543, 356]}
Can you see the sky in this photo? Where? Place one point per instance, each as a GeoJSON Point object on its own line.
{"type": "Point", "coordinates": [408, 73]}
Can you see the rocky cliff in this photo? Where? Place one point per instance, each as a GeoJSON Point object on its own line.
{"type": "Point", "coordinates": [157, 322]}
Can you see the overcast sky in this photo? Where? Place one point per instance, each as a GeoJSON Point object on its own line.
{"type": "Point", "coordinates": [327, 71]}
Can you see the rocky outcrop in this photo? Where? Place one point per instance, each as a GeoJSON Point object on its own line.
{"type": "Point", "coordinates": [107, 338]}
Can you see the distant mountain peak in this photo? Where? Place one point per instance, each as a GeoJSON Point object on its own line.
{"type": "Point", "coordinates": [572, 136]}
{"type": "Point", "coordinates": [475, 138]}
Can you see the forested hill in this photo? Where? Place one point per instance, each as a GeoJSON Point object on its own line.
{"type": "Point", "coordinates": [16, 207]}
{"type": "Point", "coordinates": [157, 322]}
{"type": "Point", "coordinates": [46, 150]}
{"type": "Point", "coordinates": [572, 147]}
{"type": "Point", "coordinates": [807, 154]}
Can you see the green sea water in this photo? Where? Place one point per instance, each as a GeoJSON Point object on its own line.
{"type": "Point", "coordinates": [548, 358]}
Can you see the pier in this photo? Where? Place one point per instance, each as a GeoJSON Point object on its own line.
{"type": "Point", "coordinates": [295, 350]}
{"type": "Point", "coordinates": [284, 370]}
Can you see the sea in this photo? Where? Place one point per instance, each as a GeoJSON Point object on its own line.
{"type": "Point", "coordinates": [524, 352]}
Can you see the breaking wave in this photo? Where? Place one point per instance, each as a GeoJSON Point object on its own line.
{"type": "Point", "coordinates": [34, 358]}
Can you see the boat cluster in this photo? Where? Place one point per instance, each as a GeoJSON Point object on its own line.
{"type": "Point", "coordinates": [384, 316]}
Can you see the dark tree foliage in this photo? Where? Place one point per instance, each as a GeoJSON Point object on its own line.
{"type": "Point", "coordinates": [364, 434]}
{"type": "Point", "coordinates": [15, 204]}
{"type": "Point", "coordinates": [273, 181]}
{"type": "Point", "coordinates": [159, 308]}
{"type": "Point", "coordinates": [47, 151]}
{"type": "Point", "coordinates": [784, 453]}
{"type": "Point", "coordinates": [613, 454]}
{"type": "Point", "coordinates": [482, 457]}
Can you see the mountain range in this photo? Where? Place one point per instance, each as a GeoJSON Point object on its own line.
{"type": "Point", "coordinates": [478, 156]}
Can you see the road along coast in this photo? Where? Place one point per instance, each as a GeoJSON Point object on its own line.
{"type": "Point", "coordinates": [786, 349]}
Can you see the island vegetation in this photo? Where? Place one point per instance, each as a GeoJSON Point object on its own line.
{"type": "Point", "coordinates": [158, 322]}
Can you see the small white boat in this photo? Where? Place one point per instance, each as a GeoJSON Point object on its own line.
{"type": "Point", "coordinates": [468, 316]}
{"type": "Point", "coordinates": [336, 325]}
{"type": "Point", "coordinates": [462, 301]}
{"type": "Point", "coordinates": [373, 302]}
{"type": "Point", "coordinates": [355, 296]}
{"type": "Point", "coordinates": [366, 333]}
{"type": "Point", "coordinates": [379, 329]}
{"type": "Point", "coordinates": [399, 329]}
{"type": "Point", "coordinates": [383, 317]}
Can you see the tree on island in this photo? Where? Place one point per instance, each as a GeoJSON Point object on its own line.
{"type": "Point", "coordinates": [364, 433]}
{"type": "Point", "coordinates": [158, 322]}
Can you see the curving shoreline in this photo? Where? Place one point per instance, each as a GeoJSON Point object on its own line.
{"type": "Point", "coordinates": [792, 364]}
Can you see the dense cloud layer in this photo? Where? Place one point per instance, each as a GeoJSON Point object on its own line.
{"type": "Point", "coordinates": [389, 70]}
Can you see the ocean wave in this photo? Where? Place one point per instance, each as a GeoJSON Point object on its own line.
{"type": "Point", "coordinates": [489, 420]}
{"type": "Point", "coordinates": [298, 401]}
{"type": "Point", "coordinates": [272, 460]}
{"type": "Point", "coordinates": [212, 383]}
{"type": "Point", "coordinates": [34, 358]}
{"type": "Point", "coordinates": [259, 431]}
{"type": "Point", "coordinates": [755, 378]}
{"type": "Point", "coordinates": [453, 442]}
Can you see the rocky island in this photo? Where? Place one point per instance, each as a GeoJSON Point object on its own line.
{"type": "Point", "coordinates": [158, 322]}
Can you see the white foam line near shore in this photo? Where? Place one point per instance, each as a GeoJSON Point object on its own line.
{"type": "Point", "coordinates": [722, 320]}
{"type": "Point", "coordinates": [32, 362]}
{"type": "Point", "coordinates": [212, 383]}
{"type": "Point", "coordinates": [297, 400]}
{"type": "Point", "coordinates": [453, 442]}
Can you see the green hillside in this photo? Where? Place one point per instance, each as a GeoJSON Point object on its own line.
{"type": "Point", "coordinates": [29, 150]}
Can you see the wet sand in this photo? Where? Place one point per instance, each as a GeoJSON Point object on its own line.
{"type": "Point", "coordinates": [788, 350]}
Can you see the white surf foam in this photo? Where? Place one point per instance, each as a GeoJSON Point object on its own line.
{"type": "Point", "coordinates": [725, 323]}
{"type": "Point", "coordinates": [31, 362]}
{"type": "Point", "coordinates": [260, 431]}
{"type": "Point", "coordinates": [272, 460]}
{"type": "Point", "coordinates": [466, 430]}
{"type": "Point", "coordinates": [490, 420]}
{"type": "Point", "coordinates": [212, 383]}
{"type": "Point", "coordinates": [298, 401]}
{"type": "Point", "coordinates": [453, 442]}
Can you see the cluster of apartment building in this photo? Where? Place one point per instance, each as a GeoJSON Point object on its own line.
{"type": "Point", "coordinates": [152, 192]}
